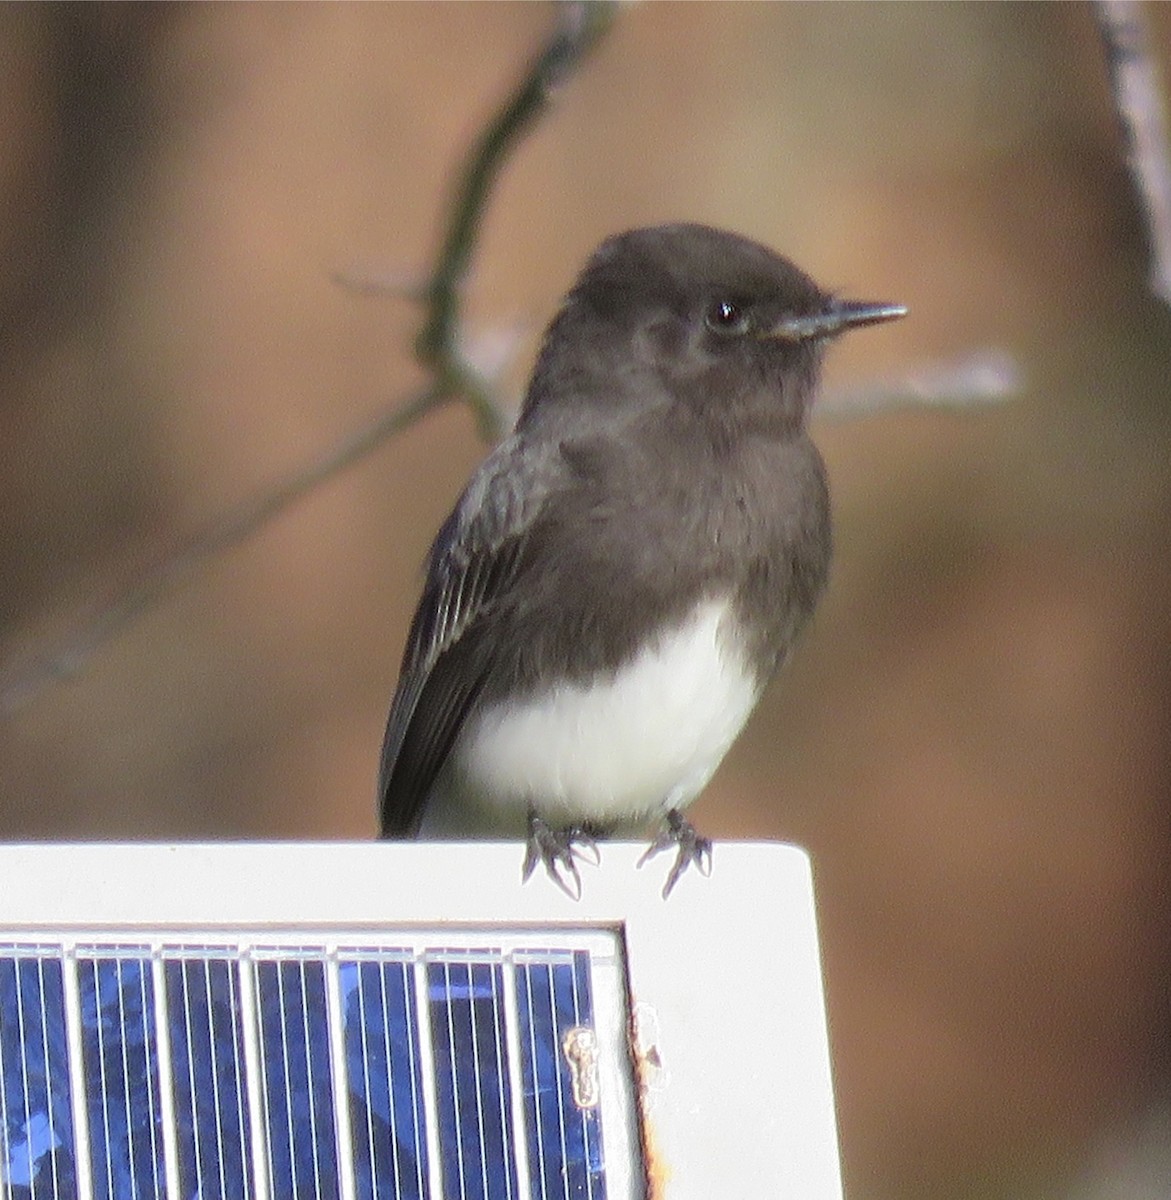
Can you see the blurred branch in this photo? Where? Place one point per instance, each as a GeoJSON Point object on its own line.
{"type": "Point", "coordinates": [439, 347]}
{"type": "Point", "coordinates": [1138, 98]}
{"type": "Point", "coordinates": [20, 684]}
{"type": "Point", "coordinates": [985, 377]}
{"type": "Point", "coordinates": [398, 285]}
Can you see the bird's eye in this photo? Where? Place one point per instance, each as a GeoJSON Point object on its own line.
{"type": "Point", "coordinates": [726, 316]}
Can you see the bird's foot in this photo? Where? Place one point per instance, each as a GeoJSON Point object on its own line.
{"type": "Point", "coordinates": [692, 849]}
{"type": "Point", "coordinates": [559, 850]}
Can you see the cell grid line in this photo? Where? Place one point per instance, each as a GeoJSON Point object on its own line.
{"type": "Point", "coordinates": [105, 1093]}
{"type": "Point", "coordinates": [430, 1099]}
{"type": "Point", "coordinates": [391, 1103]}
{"type": "Point", "coordinates": [580, 1116]}
{"type": "Point", "coordinates": [79, 1104]}
{"type": "Point", "coordinates": [50, 1086]}
{"type": "Point", "coordinates": [28, 1145]}
{"type": "Point", "coordinates": [151, 1097]}
{"type": "Point", "coordinates": [311, 1092]}
{"type": "Point", "coordinates": [5, 1140]}
{"type": "Point", "coordinates": [216, 1096]}
{"type": "Point", "coordinates": [253, 1077]}
{"type": "Point", "coordinates": [123, 1054]}
{"type": "Point", "coordinates": [248, 1146]}
{"type": "Point", "coordinates": [290, 1139]}
{"type": "Point", "coordinates": [459, 1146]}
{"type": "Point", "coordinates": [339, 1077]}
{"type": "Point", "coordinates": [367, 1078]}
{"type": "Point", "coordinates": [512, 1050]}
{"type": "Point", "coordinates": [538, 1118]}
{"type": "Point", "coordinates": [478, 1075]}
{"type": "Point", "coordinates": [498, 971]}
{"type": "Point", "coordinates": [559, 1075]}
{"type": "Point", "coordinates": [418, 1120]}
{"type": "Point", "coordinates": [164, 1066]}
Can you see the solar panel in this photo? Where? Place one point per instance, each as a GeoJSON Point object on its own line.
{"type": "Point", "coordinates": [223, 1022]}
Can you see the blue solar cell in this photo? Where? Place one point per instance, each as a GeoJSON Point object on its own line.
{"type": "Point", "coordinates": [564, 1140]}
{"type": "Point", "coordinates": [207, 1070]}
{"type": "Point", "coordinates": [475, 1116]}
{"type": "Point", "coordinates": [121, 1074]}
{"type": "Point", "coordinates": [298, 1083]}
{"type": "Point", "coordinates": [385, 1084]}
{"type": "Point", "coordinates": [36, 1121]}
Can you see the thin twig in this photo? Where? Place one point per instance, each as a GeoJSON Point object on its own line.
{"type": "Point", "coordinates": [397, 285]}
{"type": "Point", "coordinates": [985, 377]}
{"type": "Point", "coordinates": [21, 683]}
{"type": "Point", "coordinates": [439, 347]}
{"type": "Point", "coordinates": [1142, 113]}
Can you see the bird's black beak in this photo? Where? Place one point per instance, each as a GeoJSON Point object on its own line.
{"type": "Point", "coordinates": [837, 317]}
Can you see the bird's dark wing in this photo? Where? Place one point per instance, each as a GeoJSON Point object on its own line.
{"type": "Point", "coordinates": [448, 656]}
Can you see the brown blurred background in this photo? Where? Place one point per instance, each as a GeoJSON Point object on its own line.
{"type": "Point", "coordinates": [972, 742]}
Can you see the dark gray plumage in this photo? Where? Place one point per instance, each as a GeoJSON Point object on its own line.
{"type": "Point", "coordinates": [659, 512]}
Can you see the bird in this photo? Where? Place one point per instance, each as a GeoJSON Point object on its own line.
{"type": "Point", "coordinates": [627, 570]}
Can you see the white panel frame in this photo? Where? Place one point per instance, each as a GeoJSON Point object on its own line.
{"type": "Point", "coordinates": [725, 975]}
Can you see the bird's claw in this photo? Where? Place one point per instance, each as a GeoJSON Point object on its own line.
{"type": "Point", "coordinates": [691, 848]}
{"type": "Point", "coordinates": [559, 850]}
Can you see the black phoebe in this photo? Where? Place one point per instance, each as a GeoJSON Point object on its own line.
{"type": "Point", "coordinates": [627, 570]}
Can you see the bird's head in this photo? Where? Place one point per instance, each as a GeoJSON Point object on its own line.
{"type": "Point", "coordinates": [692, 315]}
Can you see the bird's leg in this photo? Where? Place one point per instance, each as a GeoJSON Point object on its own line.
{"type": "Point", "coordinates": [692, 848]}
{"type": "Point", "coordinates": [559, 850]}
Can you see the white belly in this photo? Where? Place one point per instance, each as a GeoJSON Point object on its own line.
{"type": "Point", "coordinates": [617, 750]}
